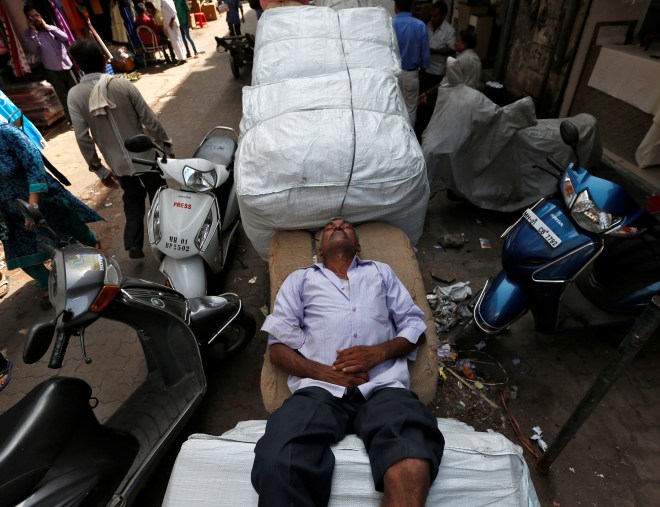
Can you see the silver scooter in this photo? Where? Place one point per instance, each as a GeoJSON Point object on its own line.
{"type": "Point", "coordinates": [53, 451]}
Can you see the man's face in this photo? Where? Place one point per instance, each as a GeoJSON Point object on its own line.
{"type": "Point", "coordinates": [34, 17]}
{"type": "Point", "coordinates": [151, 11]}
{"type": "Point", "coordinates": [340, 232]}
{"type": "Point", "coordinates": [460, 47]}
{"type": "Point", "coordinates": [436, 18]}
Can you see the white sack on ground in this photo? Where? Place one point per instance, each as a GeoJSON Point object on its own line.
{"type": "Point", "coordinates": [484, 153]}
{"type": "Point", "coordinates": [311, 41]}
{"type": "Point", "coordinates": [314, 143]}
{"type": "Point", "coordinates": [477, 469]}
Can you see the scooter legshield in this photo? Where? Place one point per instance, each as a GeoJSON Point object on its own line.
{"type": "Point", "coordinates": [501, 303]}
{"type": "Point", "coordinates": [187, 276]}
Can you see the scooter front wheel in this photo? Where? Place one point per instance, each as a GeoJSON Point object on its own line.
{"type": "Point", "coordinates": [469, 336]}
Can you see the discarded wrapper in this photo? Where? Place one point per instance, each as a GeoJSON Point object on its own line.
{"type": "Point", "coordinates": [537, 436]}
{"type": "Point", "coordinates": [485, 243]}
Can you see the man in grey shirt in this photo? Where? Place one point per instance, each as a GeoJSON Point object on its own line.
{"type": "Point", "coordinates": [112, 110]}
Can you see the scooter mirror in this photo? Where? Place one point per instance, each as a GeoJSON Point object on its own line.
{"type": "Point", "coordinates": [38, 341]}
{"type": "Point", "coordinates": [30, 213]}
{"type": "Point", "coordinates": [138, 143]}
{"type": "Point", "coordinates": [569, 134]}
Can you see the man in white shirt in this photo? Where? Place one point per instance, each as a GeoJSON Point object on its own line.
{"type": "Point", "coordinates": [171, 27]}
{"type": "Point", "coordinates": [442, 39]}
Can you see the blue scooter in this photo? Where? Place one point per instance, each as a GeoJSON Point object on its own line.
{"type": "Point", "coordinates": [587, 257]}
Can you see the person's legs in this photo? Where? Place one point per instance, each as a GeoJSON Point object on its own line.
{"type": "Point", "coordinates": [293, 463]}
{"type": "Point", "coordinates": [425, 111]}
{"type": "Point", "coordinates": [40, 274]}
{"type": "Point", "coordinates": [151, 183]}
{"type": "Point", "coordinates": [185, 33]}
{"type": "Point", "coordinates": [411, 93]}
{"type": "Point", "coordinates": [232, 32]}
{"type": "Point", "coordinates": [185, 40]}
{"type": "Point", "coordinates": [403, 442]}
{"type": "Point", "coordinates": [62, 81]}
{"type": "Point", "coordinates": [133, 198]}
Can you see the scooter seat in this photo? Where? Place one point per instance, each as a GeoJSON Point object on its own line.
{"type": "Point", "coordinates": [217, 149]}
{"type": "Point", "coordinates": [208, 314]}
{"type": "Point", "coordinates": [33, 432]}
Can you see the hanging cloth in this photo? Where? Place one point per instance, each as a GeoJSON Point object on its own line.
{"type": "Point", "coordinates": [75, 20]}
{"type": "Point", "coordinates": [130, 26]}
{"type": "Point", "coordinates": [61, 22]}
{"type": "Point", "coordinates": [19, 63]}
{"type": "Point", "coordinates": [10, 113]}
{"type": "Point", "coordinates": [118, 29]}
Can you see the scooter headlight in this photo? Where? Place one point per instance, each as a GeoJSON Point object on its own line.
{"type": "Point", "coordinates": [199, 181]}
{"type": "Point", "coordinates": [591, 217]}
{"type": "Point", "coordinates": [156, 222]}
{"type": "Point", "coordinates": [204, 231]}
{"type": "Point", "coordinates": [567, 190]}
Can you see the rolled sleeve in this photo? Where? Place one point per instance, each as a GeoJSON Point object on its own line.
{"type": "Point", "coordinates": [283, 332]}
{"type": "Point", "coordinates": [285, 323]}
{"type": "Point", "coordinates": [38, 188]}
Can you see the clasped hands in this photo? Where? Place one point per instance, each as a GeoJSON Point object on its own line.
{"type": "Point", "coordinates": [351, 368]}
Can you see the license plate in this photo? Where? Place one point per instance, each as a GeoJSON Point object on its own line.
{"type": "Point", "coordinates": [545, 232]}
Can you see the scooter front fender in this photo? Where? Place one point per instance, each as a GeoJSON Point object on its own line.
{"type": "Point", "coordinates": [187, 276]}
{"type": "Point", "coordinates": [501, 303]}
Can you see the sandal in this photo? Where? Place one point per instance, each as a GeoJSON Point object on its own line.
{"type": "Point", "coordinates": [4, 288]}
{"type": "Point", "coordinates": [5, 375]}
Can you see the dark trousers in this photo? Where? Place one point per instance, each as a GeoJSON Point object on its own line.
{"type": "Point", "coordinates": [425, 111]}
{"type": "Point", "coordinates": [62, 81]}
{"type": "Point", "coordinates": [136, 189]}
{"type": "Point", "coordinates": [185, 35]}
{"type": "Point", "coordinates": [293, 463]}
{"type": "Point", "coordinates": [234, 29]}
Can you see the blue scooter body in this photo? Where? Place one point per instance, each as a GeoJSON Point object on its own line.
{"type": "Point", "coordinates": [537, 271]}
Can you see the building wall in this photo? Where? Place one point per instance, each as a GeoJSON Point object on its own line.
{"type": "Point", "coordinates": [600, 11]}
{"type": "Point", "coordinates": [535, 68]}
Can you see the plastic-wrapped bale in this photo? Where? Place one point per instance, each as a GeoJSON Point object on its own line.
{"type": "Point", "coordinates": [336, 5]}
{"type": "Point", "coordinates": [294, 42]}
{"type": "Point", "coordinates": [485, 153]}
{"type": "Point", "coordinates": [314, 148]}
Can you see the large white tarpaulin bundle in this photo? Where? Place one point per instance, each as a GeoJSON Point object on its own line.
{"type": "Point", "coordinates": [324, 129]}
{"type": "Point", "coordinates": [477, 469]}
{"type": "Point", "coordinates": [485, 153]}
{"type": "Point", "coordinates": [388, 5]}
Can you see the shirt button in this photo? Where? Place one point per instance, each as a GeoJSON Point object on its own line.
{"type": "Point", "coordinates": [353, 309]}
{"type": "Point", "coordinates": [354, 335]}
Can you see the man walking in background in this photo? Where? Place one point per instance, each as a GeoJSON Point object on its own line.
{"type": "Point", "coordinates": [442, 44]}
{"type": "Point", "coordinates": [415, 56]}
{"type": "Point", "coordinates": [51, 44]}
{"type": "Point", "coordinates": [112, 110]}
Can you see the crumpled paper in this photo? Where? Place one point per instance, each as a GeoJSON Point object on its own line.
{"type": "Point", "coordinates": [448, 306]}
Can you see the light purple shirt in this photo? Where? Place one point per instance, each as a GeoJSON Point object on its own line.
{"type": "Point", "coordinates": [315, 315]}
{"type": "Point", "coordinates": [51, 44]}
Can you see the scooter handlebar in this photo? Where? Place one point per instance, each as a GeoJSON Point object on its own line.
{"type": "Point", "coordinates": [143, 161]}
{"type": "Point", "coordinates": [554, 163]}
{"type": "Point", "coordinates": [61, 343]}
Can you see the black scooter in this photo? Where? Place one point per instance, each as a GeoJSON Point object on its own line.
{"type": "Point", "coordinates": [53, 451]}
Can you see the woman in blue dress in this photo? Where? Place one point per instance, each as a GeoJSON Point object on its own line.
{"type": "Point", "coordinates": [22, 176]}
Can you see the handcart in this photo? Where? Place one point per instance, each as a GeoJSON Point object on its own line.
{"type": "Point", "coordinates": [240, 49]}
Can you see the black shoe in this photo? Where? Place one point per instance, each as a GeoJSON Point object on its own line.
{"type": "Point", "coordinates": [136, 253]}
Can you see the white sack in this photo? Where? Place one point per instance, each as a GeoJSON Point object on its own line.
{"type": "Point", "coordinates": [339, 143]}
{"type": "Point", "coordinates": [312, 41]}
{"type": "Point", "coordinates": [336, 5]}
{"type": "Point", "coordinates": [477, 469]}
{"type": "Point", "coordinates": [484, 153]}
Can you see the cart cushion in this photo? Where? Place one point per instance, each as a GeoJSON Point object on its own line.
{"type": "Point", "coordinates": [291, 250]}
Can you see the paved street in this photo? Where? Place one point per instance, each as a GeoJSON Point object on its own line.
{"type": "Point", "coordinates": [614, 458]}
